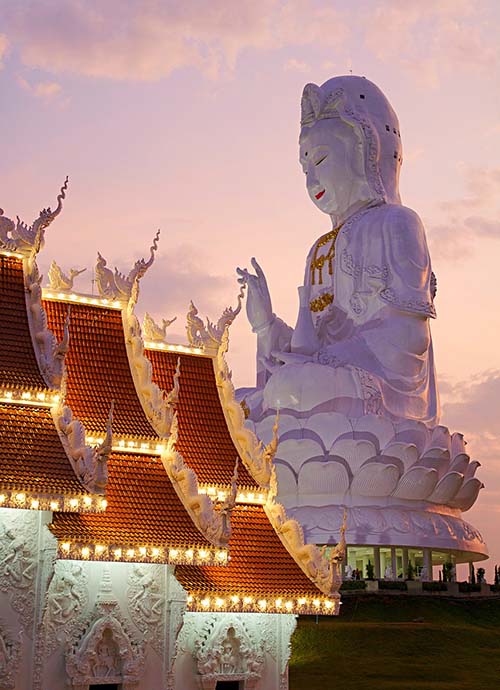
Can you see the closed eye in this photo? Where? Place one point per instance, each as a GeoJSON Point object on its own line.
{"type": "Point", "coordinates": [321, 159]}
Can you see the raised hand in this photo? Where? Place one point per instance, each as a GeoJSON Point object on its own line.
{"type": "Point", "coordinates": [259, 307]}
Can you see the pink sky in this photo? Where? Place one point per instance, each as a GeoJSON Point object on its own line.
{"type": "Point", "coordinates": [184, 116]}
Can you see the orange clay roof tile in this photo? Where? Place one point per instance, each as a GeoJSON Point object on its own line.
{"type": "Point", "coordinates": [31, 454]}
{"type": "Point", "coordinates": [98, 369]}
{"type": "Point", "coordinates": [204, 439]}
{"type": "Point", "coordinates": [143, 509]}
{"type": "Point", "coordinates": [259, 563]}
{"type": "Point", "coordinates": [18, 365]}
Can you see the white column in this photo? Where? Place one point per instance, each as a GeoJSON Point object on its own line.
{"type": "Point", "coordinates": [428, 563]}
{"type": "Point", "coordinates": [405, 563]}
{"type": "Point", "coordinates": [394, 563]}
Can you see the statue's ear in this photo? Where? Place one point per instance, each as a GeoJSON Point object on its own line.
{"type": "Point", "coordinates": [310, 103]}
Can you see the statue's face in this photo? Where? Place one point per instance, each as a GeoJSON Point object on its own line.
{"type": "Point", "coordinates": [332, 159]}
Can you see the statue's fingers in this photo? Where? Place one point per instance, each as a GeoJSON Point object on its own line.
{"type": "Point", "coordinates": [257, 268]}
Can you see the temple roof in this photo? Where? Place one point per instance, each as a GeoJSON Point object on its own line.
{"type": "Point", "coordinates": [35, 471]}
{"type": "Point", "coordinates": [143, 510]}
{"type": "Point", "coordinates": [204, 439]}
{"type": "Point", "coordinates": [99, 370]}
{"type": "Point", "coordinates": [259, 568]}
{"type": "Point", "coordinates": [33, 461]}
{"type": "Point", "coordinates": [152, 512]}
{"type": "Point", "coordinates": [18, 364]}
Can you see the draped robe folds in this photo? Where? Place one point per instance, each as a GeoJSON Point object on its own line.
{"type": "Point", "coordinates": [374, 336]}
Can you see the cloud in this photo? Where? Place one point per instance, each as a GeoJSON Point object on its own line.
{"type": "Point", "coordinates": [181, 275]}
{"type": "Point", "coordinates": [468, 218]}
{"type": "Point", "coordinates": [473, 408]}
{"type": "Point", "coordinates": [132, 39]}
{"type": "Point", "coordinates": [4, 44]}
{"type": "Point", "coordinates": [45, 90]}
{"type": "Point", "coordinates": [148, 40]}
{"type": "Point", "coordinates": [474, 405]}
{"type": "Point", "coordinates": [293, 65]}
{"type": "Point", "coordinates": [431, 39]}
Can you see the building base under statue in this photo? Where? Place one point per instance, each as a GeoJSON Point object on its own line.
{"type": "Point", "coordinates": [393, 536]}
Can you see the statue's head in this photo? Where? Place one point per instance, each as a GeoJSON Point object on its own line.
{"type": "Point", "coordinates": [350, 145]}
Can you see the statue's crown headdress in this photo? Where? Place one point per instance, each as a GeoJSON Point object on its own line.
{"type": "Point", "coordinates": [315, 105]}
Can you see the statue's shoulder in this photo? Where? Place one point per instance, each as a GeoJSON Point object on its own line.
{"type": "Point", "coordinates": [396, 216]}
{"type": "Point", "coordinates": [402, 229]}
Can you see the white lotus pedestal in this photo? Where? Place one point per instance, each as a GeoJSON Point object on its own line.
{"type": "Point", "coordinates": [404, 487]}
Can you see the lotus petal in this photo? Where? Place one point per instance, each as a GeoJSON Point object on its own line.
{"type": "Point", "coordinates": [250, 425]}
{"type": "Point", "coordinates": [287, 482]}
{"type": "Point", "coordinates": [296, 452]}
{"type": "Point", "coordinates": [460, 463]}
{"type": "Point", "coordinates": [329, 426]}
{"type": "Point", "coordinates": [438, 453]}
{"type": "Point", "coordinates": [458, 444]}
{"type": "Point", "coordinates": [439, 463]}
{"type": "Point", "coordinates": [416, 484]}
{"type": "Point", "coordinates": [467, 495]}
{"type": "Point", "coordinates": [329, 477]}
{"type": "Point", "coordinates": [354, 452]}
{"type": "Point", "coordinates": [406, 452]}
{"type": "Point", "coordinates": [447, 487]}
{"type": "Point", "coordinates": [413, 432]}
{"type": "Point", "coordinates": [375, 479]}
{"type": "Point", "coordinates": [379, 427]}
{"type": "Point", "coordinates": [471, 469]}
{"type": "Point", "coordinates": [389, 460]}
{"type": "Point", "coordinates": [264, 428]}
{"type": "Point", "coordinates": [440, 438]}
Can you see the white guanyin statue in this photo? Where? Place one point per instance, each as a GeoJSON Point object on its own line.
{"type": "Point", "coordinates": [354, 380]}
{"type": "Point", "coordinates": [362, 341]}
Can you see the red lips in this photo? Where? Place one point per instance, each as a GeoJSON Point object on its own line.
{"type": "Point", "coordinates": [319, 194]}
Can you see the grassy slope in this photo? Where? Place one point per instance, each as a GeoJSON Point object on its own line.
{"type": "Point", "coordinates": [376, 644]}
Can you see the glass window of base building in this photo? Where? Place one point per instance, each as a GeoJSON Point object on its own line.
{"type": "Point", "coordinates": [360, 563]}
{"type": "Point", "coordinates": [444, 566]}
{"type": "Point", "coordinates": [415, 564]}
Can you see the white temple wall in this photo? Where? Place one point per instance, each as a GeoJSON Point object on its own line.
{"type": "Point", "coordinates": [47, 605]}
{"type": "Point", "coordinates": [253, 648]}
{"type": "Point", "coordinates": [25, 564]}
{"type": "Point", "coordinates": [86, 599]}
{"type": "Point", "coordinates": [69, 624]}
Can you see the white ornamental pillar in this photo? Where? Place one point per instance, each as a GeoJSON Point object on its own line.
{"type": "Point", "coordinates": [394, 563]}
{"type": "Point", "coordinates": [405, 564]}
{"type": "Point", "coordinates": [428, 563]}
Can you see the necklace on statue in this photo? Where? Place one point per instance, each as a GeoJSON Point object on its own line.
{"type": "Point", "coordinates": [318, 261]}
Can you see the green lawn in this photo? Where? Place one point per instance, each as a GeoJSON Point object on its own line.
{"type": "Point", "coordinates": [399, 643]}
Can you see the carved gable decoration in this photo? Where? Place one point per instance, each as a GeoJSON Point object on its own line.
{"type": "Point", "coordinates": [106, 652]}
{"type": "Point", "coordinates": [209, 337]}
{"type": "Point", "coordinates": [227, 650]}
{"type": "Point", "coordinates": [26, 239]}
{"type": "Point", "coordinates": [9, 658]}
{"type": "Point", "coordinates": [118, 286]}
{"type": "Point", "coordinates": [90, 463]}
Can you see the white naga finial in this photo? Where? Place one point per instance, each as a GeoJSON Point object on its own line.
{"type": "Point", "coordinates": [29, 239]}
{"type": "Point", "coordinates": [210, 336]}
{"type": "Point", "coordinates": [117, 286]}
{"type": "Point", "coordinates": [152, 331]}
{"type": "Point", "coordinates": [60, 281]}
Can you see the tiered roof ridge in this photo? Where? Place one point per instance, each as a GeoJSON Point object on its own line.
{"type": "Point", "coordinates": [169, 472]}
{"type": "Point", "coordinates": [18, 362]}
